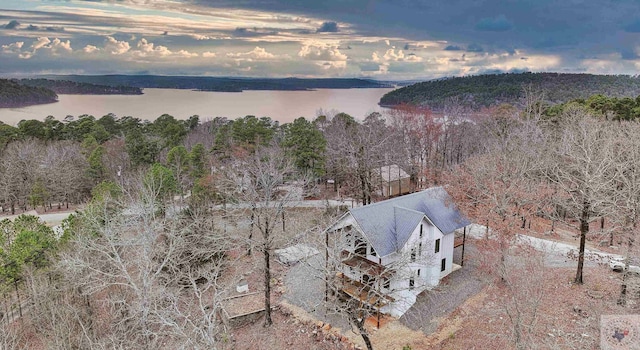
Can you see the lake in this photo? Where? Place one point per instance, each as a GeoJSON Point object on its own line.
{"type": "Point", "coordinates": [283, 106]}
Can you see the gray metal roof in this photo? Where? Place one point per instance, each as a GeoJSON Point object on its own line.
{"type": "Point", "coordinates": [391, 172]}
{"type": "Point", "coordinates": [387, 225]}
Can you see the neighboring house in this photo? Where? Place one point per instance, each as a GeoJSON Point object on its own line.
{"type": "Point", "coordinates": [393, 180]}
{"type": "Point", "coordinates": [395, 249]}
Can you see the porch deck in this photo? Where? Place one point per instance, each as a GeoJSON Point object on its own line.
{"type": "Point", "coordinates": [363, 292]}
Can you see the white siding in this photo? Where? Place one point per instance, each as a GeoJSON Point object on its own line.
{"type": "Point", "coordinates": [446, 251]}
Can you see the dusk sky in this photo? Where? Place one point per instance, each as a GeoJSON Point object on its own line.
{"type": "Point", "coordinates": [381, 39]}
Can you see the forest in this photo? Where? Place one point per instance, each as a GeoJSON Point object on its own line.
{"type": "Point", "coordinates": [221, 83]}
{"type": "Point", "coordinates": [13, 94]}
{"type": "Point", "coordinates": [26, 92]}
{"type": "Point", "coordinates": [493, 89]}
{"type": "Point", "coordinates": [74, 88]}
{"type": "Point", "coordinates": [172, 215]}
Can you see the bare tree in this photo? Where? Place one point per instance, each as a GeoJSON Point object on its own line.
{"type": "Point", "coordinates": [156, 277]}
{"type": "Point", "coordinates": [354, 150]}
{"type": "Point", "coordinates": [19, 160]}
{"type": "Point", "coordinates": [627, 196]}
{"type": "Point", "coordinates": [265, 172]}
{"type": "Point", "coordinates": [582, 167]}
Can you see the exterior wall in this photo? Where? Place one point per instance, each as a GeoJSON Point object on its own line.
{"type": "Point", "coordinates": [447, 253]}
{"type": "Point", "coordinates": [394, 188]}
{"type": "Point", "coordinates": [427, 261]}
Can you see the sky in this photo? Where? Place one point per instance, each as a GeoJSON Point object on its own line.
{"type": "Point", "coordinates": [379, 39]}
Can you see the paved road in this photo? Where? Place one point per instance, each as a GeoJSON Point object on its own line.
{"type": "Point", "coordinates": [51, 219]}
{"type": "Point", "coordinates": [558, 254]}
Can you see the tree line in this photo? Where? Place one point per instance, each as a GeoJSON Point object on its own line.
{"type": "Point", "coordinates": [13, 94]}
{"type": "Point", "coordinates": [78, 88]}
{"type": "Point", "coordinates": [483, 91]}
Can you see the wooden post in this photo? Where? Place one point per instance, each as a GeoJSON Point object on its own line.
{"type": "Point", "coordinates": [399, 182]}
{"type": "Point", "coordinates": [464, 241]}
{"type": "Point", "coordinates": [283, 230]}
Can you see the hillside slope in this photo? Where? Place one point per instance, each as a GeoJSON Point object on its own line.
{"type": "Point", "coordinates": [13, 94]}
{"type": "Point", "coordinates": [74, 88]}
{"type": "Point", "coordinates": [487, 90]}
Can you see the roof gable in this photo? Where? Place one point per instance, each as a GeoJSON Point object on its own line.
{"type": "Point", "coordinates": [387, 225]}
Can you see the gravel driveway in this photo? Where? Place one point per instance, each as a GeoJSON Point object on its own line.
{"type": "Point", "coordinates": [453, 290]}
{"type": "Point", "coordinates": [305, 289]}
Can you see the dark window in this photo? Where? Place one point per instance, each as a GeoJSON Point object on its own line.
{"type": "Point", "coordinates": [361, 247]}
{"type": "Point", "coordinates": [386, 283]}
{"type": "Point", "coordinates": [411, 283]}
{"type": "Point", "coordinates": [373, 252]}
{"type": "Point", "coordinates": [438, 245]}
{"type": "Point", "coordinates": [413, 254]}
{"type": "Point", "coordinates": [418, 272]}
{"type": "Point", "coordinates": [420, 249]}
{"type": "Point", "coordinates": [443, 264]}
{"type": "Point", "coordinates": [420, 231]}
{"type": "Point", "coordinates": [366, 279]}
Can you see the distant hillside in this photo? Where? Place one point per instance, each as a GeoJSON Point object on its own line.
{"type": "Point", "coordinates": [79, 88]}
{"type": "Point", "coordinates": [14, 95]}
{"type": "Point", "coordinates": [486, 90]}
{"type": "Point", "coordinates": [220, 84]}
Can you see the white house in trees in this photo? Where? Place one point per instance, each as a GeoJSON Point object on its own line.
{"type": "Point", "coordinates": [392, 250]}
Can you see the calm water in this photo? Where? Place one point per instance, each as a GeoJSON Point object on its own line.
{"type": "Point", "coordinates": [284, 106]}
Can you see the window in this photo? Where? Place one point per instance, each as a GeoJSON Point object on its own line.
{"type": "Point", "coordinates": [361, 247]}
{"type": "Point", "coordinates": [411, 283]}
{"type": "Point", "coordinates": [373, 252]}
{"type": "Point", "coordinates": [438, 245]}
{"type": "Point", "coordinates": [413, 254]}
{"type": "Point", "coordinates": [348, 239]}
{"type": "Point", "coordinates": [368, 280]}
{"type": "Point", "coordinates": [443, 264]}
{"type": "Point", "coordinates": [420, 249]}
{"type": "Point", "coordinates": [420, 231]}
{"type": "Point", "coordinates": [386, 283]}
{"type": "Point", "coordinates": [418, 272]}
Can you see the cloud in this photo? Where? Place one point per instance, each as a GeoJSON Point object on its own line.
{"type": "Point", "coordinates": [474, 48]}
{"type": "Point", "coordinates": [328, 27]}
{"type": "Point", "coordinates": [257, 53]}
{"type": "Point", "coordinates": [35, 28]}
{"type": "Point", "coordinates": [53, 47]}
{"type": "Point", "coordinates": [253, 32]}
{"type": "Point", "coordinates": [57, 45]}
{"type": "Point", "coordinates": [40, 43]}
{"type": "Point", "coordinates": [116, 47]}
{"type": "Point", "coordinates": [392, 56]}
{"type": "Point", "coordinates": [146, 48]}
{"type": "Point", "coordinates": [208, 54]}
{"type": "Point", "coordinates": [452, 48]}
{"type": "Point", "coordinates": [319, 51]}
{"type": "Point", "coordinates": [14, 48]}
{"type": "Point", "coordinates": [333, 65]}
{"type": "Point", "coordinates": [90, 49]}
{"type": "Point", "coordinates": [200, 37]}
{"type": "Point", "coordinates": [496, 24]}
{"type": "Point", "coordinates": [12, 25]}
